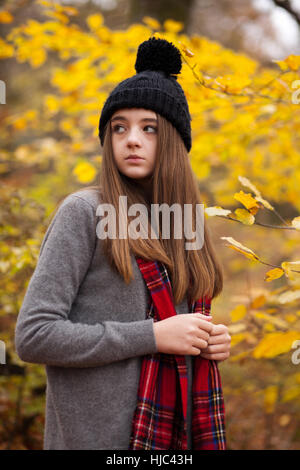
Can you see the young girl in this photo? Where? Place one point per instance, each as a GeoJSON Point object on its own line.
{"type": "Point", "coordinates": [122, 323]}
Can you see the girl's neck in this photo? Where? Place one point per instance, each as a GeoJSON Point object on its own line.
{"type": "Point", "coordinates": [145, 185]}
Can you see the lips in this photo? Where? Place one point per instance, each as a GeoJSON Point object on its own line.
{"type": "Point", "coordinates": [134, 157]}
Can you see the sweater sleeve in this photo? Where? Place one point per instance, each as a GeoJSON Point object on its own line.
{"type": "Point", "coordinates": [44, 334]}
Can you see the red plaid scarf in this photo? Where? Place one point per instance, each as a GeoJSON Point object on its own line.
{"type": "Point", "coordinates": [159, 421]}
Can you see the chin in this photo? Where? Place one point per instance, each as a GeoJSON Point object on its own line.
{"type": "Point", "coordinates": [138, 177]}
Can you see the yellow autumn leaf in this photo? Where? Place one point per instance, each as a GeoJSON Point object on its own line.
{"type": "Point", "coordinates": [151, 22]}
{"type": "Point", "coordinates": [58, 15]}
{"type": "Point", "coordinates": [20, 123]}
{"type": "Point", "coordinates": [97, 159]}
{"type": "Point", "coordinates": [276, 343]}
{"type": "Point", "coordinates": [66, 125]}
{"type": "Point", "coordinates": [45, 3]}
{"type": "Point", "coordinates": [6, 17]}
{"type": "Point", "coordinates": [271, 319]}
{"type": "Point", "coordinates": [216, 210]}
{"type": "Point", "coordinates": [95, 21]}
{"type": "Point", "coordinates": [282, 64]}
{"type": "Point", "coordinates": [31, 114]}
{"type": "Point", "coordinates": [238, 313]}
{"type": "Point", "coordinates": [269, 327]}
{"type": "Point", "coordinates": [248, 255]}
{"type": "Point", "coordinates": [292, 393]}
{"type": "Point", "coordinates": [85, 172]}
{"type": "Point", "coordinates": [254, 210]}
{"type": "Point", "coordinates": [52, 103]}
{"type": "Point", "coordinates": [291, 269]}
{"type": "Point", "coordinates": [244, 216]}
{"type": "Point", "coordinates": [275, 273]}
{"type": "Point", "coordinates": [271, 310]}
{"type": "Point", "coordinates": [173, 26]}
{"type": "Point", "coordinates": [223, 113]}
{"type": "Point", "coordinates": [264, 203]}
{"type": "Point", "coordinates": [241, 248]}
{"type": "Point", "coordinates": [232, 84]}
{"type": "Point", "coordinates": [186, 51]}
{"type": "Point", "coordinates": [239, 357]}
{"type": "Point", "coordinates": [37, 58]}
{"type": "Point", "coordinates": [248, 184]}
{"type": "Point", "coordinates": [246, 199]}
{"type": "Point", "coordinates": [293, 62]}
{"type": "Point", "coordinates": [258, 301]}
{"type": "Point", "coordinates": [270, 398]}
{"type": "Point", "coordinates": [291, 318]}
{"type": "Point", "coordinates": [235, 339]}
{"type": "Point", "coordinates": [6, 50]}
{"type": "Point", "coordinates": [297, 377]}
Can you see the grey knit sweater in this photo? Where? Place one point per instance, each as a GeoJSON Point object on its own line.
{"type": "Point", "coordinates": [89, 329]}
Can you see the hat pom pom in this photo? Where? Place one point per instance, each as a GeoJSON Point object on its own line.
{"type": "Point", "coordinates": [158, 55]}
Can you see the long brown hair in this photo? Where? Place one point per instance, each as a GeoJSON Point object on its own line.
{"type": "Point", "coordinates": [196, 272]}
{"type": "Point", "coordinates": [193, 272]}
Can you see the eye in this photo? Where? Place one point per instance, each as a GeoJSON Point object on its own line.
{"type": "Point", "coordinates": [115, 128]}
{"type": "Point", "coordinates": [152, 127]}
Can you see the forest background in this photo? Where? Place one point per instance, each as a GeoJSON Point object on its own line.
{"type": "Point", "coordinates": [241, 76]}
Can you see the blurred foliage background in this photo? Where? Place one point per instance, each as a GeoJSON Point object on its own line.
{"type": "Point", "coordinates": [58, 62]}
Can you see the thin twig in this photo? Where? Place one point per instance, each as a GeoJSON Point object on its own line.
{"type": "Point", "coordinates": [259, 223]}
{"type": "Point", "coordinates": [246, 95]}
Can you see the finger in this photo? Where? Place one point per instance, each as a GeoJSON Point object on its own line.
{"type": "Point", "coordinates": [219, 339]}
{"type": "Point", "coordinates": [200, 344]}
{"type": "Point", "coordinates": [215, 357]}
{"type": "Point", "coordinates": [204, 325]}
{"type": "Point", "coordinates": [219, 329]}
{"type": "Point", "coordinates": [216, 348]}
{"type": "Point", "coordinates": [202, 334]}
{"type": "Point", "coordinates": [195, 351]}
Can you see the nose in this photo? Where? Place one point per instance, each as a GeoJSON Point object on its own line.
{"type": "Point", "coordinates": [133, 137]}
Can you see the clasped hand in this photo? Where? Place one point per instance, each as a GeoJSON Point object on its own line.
{"type": "Point", "coordinates": [218, 344]}
{"type": "Point", "coordinates": [192, 335]}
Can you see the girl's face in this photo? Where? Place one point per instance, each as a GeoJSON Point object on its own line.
{"type": "Point", "coordinates": [134, 132]}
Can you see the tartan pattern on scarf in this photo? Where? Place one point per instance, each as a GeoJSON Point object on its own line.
{"type": "Point", "coordinates": [159, 420]}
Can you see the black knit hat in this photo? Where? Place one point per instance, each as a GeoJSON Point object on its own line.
{"type": "Point", "coordinates": [153, 87]}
